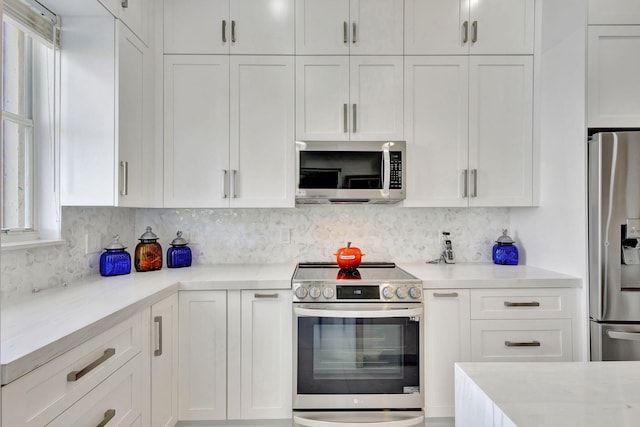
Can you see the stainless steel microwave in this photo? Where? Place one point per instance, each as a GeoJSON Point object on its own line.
{"type": "Point", "coordinates": [350, 171]}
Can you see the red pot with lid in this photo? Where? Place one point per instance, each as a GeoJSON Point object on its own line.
{"type": "Point", "coordinates": [349, 258]}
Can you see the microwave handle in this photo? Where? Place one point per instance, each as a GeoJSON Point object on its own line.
{"type": "Point", "coordinates": [386, 170]}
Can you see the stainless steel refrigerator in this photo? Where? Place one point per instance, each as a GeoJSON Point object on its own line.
{"type": "Point", "coordinates": [614, 245]}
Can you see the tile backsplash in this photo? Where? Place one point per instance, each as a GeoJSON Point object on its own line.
{"type": "Point", "coordinates": [307, 233]}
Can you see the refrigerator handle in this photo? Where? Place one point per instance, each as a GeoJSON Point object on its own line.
{"type": "Point", "coordinates": [624, 335]}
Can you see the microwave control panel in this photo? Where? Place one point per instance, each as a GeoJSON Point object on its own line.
{"type": "Point", "coordinates": [396, 170]}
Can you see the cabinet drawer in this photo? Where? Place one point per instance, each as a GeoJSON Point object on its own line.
{"type": "Point", "coordinates": [522, 341]}
{"type": "Point", "coordinates": [44, 393]}
{"type": "Point", "coordinates": [115, 402]}
{"type": "Point", "coordinates": [521, 303]}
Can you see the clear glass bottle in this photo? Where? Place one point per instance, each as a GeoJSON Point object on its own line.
{"type": "Point", "coordinates": [148, 255]}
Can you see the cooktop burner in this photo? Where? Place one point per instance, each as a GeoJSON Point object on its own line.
{"type": "Point", "coordinates": [367, 271]}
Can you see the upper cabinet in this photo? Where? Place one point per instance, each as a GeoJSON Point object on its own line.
{"type": "Point", "coordinates": [458, 27]}
{"type": "Point", "coordinates": [256, 27]}
{"type": "Point", "coordinates": [355, 27]}
{"type": "Point", "coordinates": [614, 12]}
{"type": "Point", "coordinates": [133, 13]}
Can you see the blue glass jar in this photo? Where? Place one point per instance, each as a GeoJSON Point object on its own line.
{"type": "Point", "coordinates": [115, 261]}
{"type": "Point", "coordinates": [179, 254]}
{"type": "Point", "coordinates": [505, 251]}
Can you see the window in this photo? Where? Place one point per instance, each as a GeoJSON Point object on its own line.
{"type": "Point", "coordinates": [30, 208]}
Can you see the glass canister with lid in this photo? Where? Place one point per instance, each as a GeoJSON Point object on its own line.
{"type": "Point", "coordinates": [115, 261]}
{"type": "Point", "coordinates": [505, 251]}
{"type": "Point", "coordinates": [148, 255]}
{"type": "Point", "coordinates": [179, 254]}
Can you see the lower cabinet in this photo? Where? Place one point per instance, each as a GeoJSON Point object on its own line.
{"type": "Point", "coordinates": [492, 325]}
{"type": "Point", "coordinates": [235, 344]}
{"type": "Point", "coordinates": [164, 362]}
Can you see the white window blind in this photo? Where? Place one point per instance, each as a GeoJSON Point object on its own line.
{"type": "Point", "coordinates": [35, 18]}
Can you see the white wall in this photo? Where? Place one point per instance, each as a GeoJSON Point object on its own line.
{"type": "Point", "coordinates": [553, 236]}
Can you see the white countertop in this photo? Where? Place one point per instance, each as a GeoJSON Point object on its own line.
{"type": "Point", "coordinates": [42, 326]}
{"type": "Point", "coordinates": [585, 394]}
{"type": "Point", "coordinates": [471, 275]}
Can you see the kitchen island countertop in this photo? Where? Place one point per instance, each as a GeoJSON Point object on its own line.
{"type": "Point", "coordinates": [559, 394]}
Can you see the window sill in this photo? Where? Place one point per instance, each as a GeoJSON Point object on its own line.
{"type": "Point", "coordinates": [30, 244]}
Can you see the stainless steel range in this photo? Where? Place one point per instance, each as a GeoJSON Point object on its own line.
{"type": "Point", "coordinates": [357, 346]}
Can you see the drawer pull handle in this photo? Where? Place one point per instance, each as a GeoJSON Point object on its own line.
{"type": "Point", "coordinates": [76, 375]}
{"type": "Point", "coordinates": [522, 344]}
{"type": "Point", "coordinates": [108, 415]}
{"type": "Point", "coordinates": [158, 351]}
{"type": "Point", "coordinates": [522, 304]}
{"type": "Point", "coordinates": [271, 296]}
{"type": "Point", "coordinates": [445, 294]}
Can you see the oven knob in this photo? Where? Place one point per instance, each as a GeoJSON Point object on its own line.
{"type": "Point", "coordinates": [415, 293]}
{"type": "Point", "coordinates": [301, 292]}
{"type": "Point", "coordinates": [314, 292]}
{"type": "Point", "coordinates": [387, 292]}
{"type": "Point", "coordinates": [327, 293]}
{"type": "Point", "coordinates": [401, 293]}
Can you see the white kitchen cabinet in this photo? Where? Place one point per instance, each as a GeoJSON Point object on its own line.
{"type": "Point", "coordinates": [356, 27]}
{"type": "Point", "coordinates": [492, 27]}
{"type": "Point", "coordinates": [447, 341]}
{"type": "Point", "coordinates": [613, 94]}
{"type": "Point", "coordinates": [255, 27]}
{"type": "Point", "coordinates": [202, 361]}
{"type": "Point", "coordinates": [164, 362]}
{"type": "Point", "coordinates": [356, 98]}
{"type": "Point", "coordinates": [85, 373]}
{"type": "Point", "coordinates": [229, 131]}
{"type": "Point", "coordinates": [614, 12]}
{"type": "Point", "coordinates": [469, 130]}
{"type": "Point", "coordinates": [133, 13]}
{"type": "Point", "coordinates": [260, 354]}
{"type": "Point", "coordinates": [107, 149]}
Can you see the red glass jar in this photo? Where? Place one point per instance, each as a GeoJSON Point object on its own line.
{"type": "Point", "coordinates": [148, 255]}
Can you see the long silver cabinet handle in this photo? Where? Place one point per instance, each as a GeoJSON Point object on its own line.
{"type": "Point", "coordinates": [233, 31]}
{"type": "Point", "coordinates": [355, 120]}
{"type": "Point", "coordinates": [353, 36]}
{"type": "Point", "coordinates": [224, 31]}
{"type": "Point", "coordinates": [474, 177]}
{"type": "Point", "coordinates": [225, 183]}
{"type": "Point", "coordinates": [234, 180]}
{"type": "Point", "coordinates": [522, 304]}
{"type": "Point", "coordinates": [345, 32]}
{"type": "Point", "coordinates": [76, 375]}
{"type": "Point", "coordinates": [345, 117]}
{"type": "Point", "coordinates": [445, 295]}
{"type": "Point", "coordinates": [522, 344]}
{"type": "Point", "coordinates": [124, 190]}
{"type": "Point", "coordinates": [266, 296]}
{"type": "Point", "coordinates": [108, 415]}
{"type": "Point", "coordinates": [465, 32]}
{"type": "Point", "coordinates": [465, 183]}
{"type": "Point", "coordinates": [474, 37]}
{"type": "Point", "coordinates": [158, 351]}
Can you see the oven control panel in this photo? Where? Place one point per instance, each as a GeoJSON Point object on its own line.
{"type": "Point", "coordinates": [329, 292]}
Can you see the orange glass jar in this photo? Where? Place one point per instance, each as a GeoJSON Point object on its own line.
{"type": "Point", "coordinates": [148, 254]}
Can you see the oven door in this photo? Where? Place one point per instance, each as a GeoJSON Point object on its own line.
{"type": "Point", "coordinates": [357, 356]}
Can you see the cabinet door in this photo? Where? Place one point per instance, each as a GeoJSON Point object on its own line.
{"type": "Point", "coordinates": [135, 15]}
{"type": "Point", "coordinates": [612, 12]}
{"type": "Point", "coordinates": [262, 27]}
{"type": "Point", "coordinates": [322, 27]}
{"type": "Point", "coordinates": [436, 27]}
{"type": "Point", "coordinates": [322, 98]}
{"type": "Point", "coordinates": [202, 361]}
{"type": "Point", "coordinates": [376, 98]}
{"type": "Point", "coordinates": [266, 354]}
{"type": "Point", "coordinates": [262, 131]}
{"type": "Point", "coordinates": [164, 362]}
{"type": "Point", "coordinates": [196, 26]}
{"type": "Point", "coordinates": [501, 130]}
{"type": "Point", "coordinates": [436, 129]}
{"type": "Point", "coordinates": [196, 131]}
{"type": "Point", "coordinates": [448, 341]}
{"type": "Point", "coordinates": [501, 27]}
{"type": "Point", "coordinates": [135, 126]}
{"type": "Point", "coordinates": [612, 75]}
{"type": "Point", "coordinates": [377, 27]}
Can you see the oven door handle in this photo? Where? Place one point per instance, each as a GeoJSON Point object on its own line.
{"type": "Point", "coordinates": [369, 313]}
